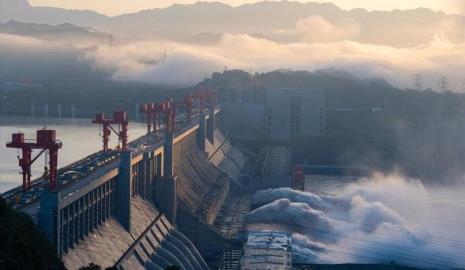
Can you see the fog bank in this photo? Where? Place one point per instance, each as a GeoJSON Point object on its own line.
{"type": "Point", "coordinates": [184, 64]}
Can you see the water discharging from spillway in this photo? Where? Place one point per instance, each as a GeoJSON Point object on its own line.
{"type": "Point", "coordinates": [383, 219]}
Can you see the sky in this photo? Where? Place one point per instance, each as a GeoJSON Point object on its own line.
{"type": "Point", "coordinates": [316, 43]}
{"type": "Point", "coordinates": [116, 7]}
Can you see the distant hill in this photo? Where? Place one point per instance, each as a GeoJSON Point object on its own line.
{"type": "Point", "coordinates": [270, 19]}
{"type": "Point", "coordinates": [21, 10]}
{"type": "Point", "coordinates": [414, 130]}
{"type": "Point", "coordinates": [65, 32]}
{"type": "Point", "coordinates": [205, 39]}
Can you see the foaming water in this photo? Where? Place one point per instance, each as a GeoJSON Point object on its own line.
{"type": "Point", "coordinates": [79, 136]}
{"type": "Point", "coordinates": [382, 219]}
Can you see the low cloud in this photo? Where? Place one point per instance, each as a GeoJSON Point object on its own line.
{"type": "Point", "coordinates": [186, 64]}
{"type": "Point", "coordinates": [35, 60]}
{"type": "Point", "coordinates": [162, 63]}
{"type": "Point", "coordinates": [317, 29]}
{"type": "Point", "coordinates": [183, 64]}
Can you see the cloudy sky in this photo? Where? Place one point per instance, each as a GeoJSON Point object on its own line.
{"type": "Point", "coordinates": [313, 42]}
{"type": "Point", "coordinates": [112, 7]}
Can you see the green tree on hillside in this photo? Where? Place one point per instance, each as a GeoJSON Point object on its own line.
{"type": "Point", "coordinates": [22, 245]}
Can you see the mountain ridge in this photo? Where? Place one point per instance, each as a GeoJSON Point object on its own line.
{"type": "Point", "coordinates": [180, 22]}
{"type": "Point", "coordinates": [64, 32]}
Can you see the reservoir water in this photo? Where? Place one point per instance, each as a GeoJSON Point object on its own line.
{"type": "Point", "coordinates": [79, 137]}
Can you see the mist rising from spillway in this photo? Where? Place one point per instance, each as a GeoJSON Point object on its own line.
{"type": "Point", "coordinates": [383, 219]}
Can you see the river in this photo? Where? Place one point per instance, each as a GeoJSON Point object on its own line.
{"type": "Point", "coordinates": [79, 136]}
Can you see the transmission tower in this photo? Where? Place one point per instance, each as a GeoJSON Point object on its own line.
{"type": "Point", "coordinates": [418, 81]}
{"type": "Point", "coordinates": [444, 84]}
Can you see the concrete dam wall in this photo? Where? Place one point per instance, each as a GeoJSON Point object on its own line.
{"type": "Point", "coordinates": [204, 181]}
{"type": "Point", "coordinates": [226, 157]}
{"type": "Point", "coordinates": [161, 246]}
{"type": "Point", "coordinates": [152, 243]}
{"type": "Point", "coordinates": [197, 177]}
{"type": "Point", "coordinates": [151, 208]}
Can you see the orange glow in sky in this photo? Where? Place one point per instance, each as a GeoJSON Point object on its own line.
{"type": "Point", "coordinates": [112, 7]}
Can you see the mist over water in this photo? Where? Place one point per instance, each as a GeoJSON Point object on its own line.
{"type": "Point", "coordinates": [382, 219]}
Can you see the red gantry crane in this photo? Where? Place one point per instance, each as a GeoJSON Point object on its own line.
{"type": "Point", "coordinates": [46, 140]}
{"type": "Point", "coordinates": [120, 119]}
{"type": "Point", "coordinates": [148, 110]}
{"type": "Point", "coordinates": [152, 113]}
{"type": "Point", "coordinates": [188, 103]}
{"type": "Point", "coordinates": [211, 97]}
{"type": "Point", "coordinates": [205, 97]}
{"type": "Point", "coordinates": [299, 178]}
{"type": "Point", "coordinates": [201, 96]}
{"type": "Point", "coordinates": [156, 115]}
{"type": "Point", "coordinates": [170, 115]}
{"type": "Point", "coordinates": [168, 108]}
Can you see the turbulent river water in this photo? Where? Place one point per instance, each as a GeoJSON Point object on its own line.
{"type": "Point", "coordinates": [79, 136]}
{"type": "Point", "coordinates": [380, 219]}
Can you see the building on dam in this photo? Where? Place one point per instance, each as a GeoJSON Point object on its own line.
{"type": "Point", "coordinates": [267, 250]}
{"type": "Point", "coordinates": [281, 115]}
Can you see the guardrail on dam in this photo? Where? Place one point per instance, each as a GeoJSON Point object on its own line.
{"type": "Point", "coordinates": [152, 207]}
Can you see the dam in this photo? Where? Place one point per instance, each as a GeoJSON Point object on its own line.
{"type": "Point", "coordinates": [177, 196]}
{"type": "Point", "coordinates": [168, 199]}
{"type": "Point", "coordinates": [192, 194]}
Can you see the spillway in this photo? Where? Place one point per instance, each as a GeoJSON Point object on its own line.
{"type": "Point", "coordinates": [162, 203]}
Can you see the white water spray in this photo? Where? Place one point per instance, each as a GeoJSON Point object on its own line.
{"type": "Point", "coordinates": [383, 219]}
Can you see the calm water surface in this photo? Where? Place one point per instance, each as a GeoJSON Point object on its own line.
{"type": "Point", "coordinates": [79, 136]}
